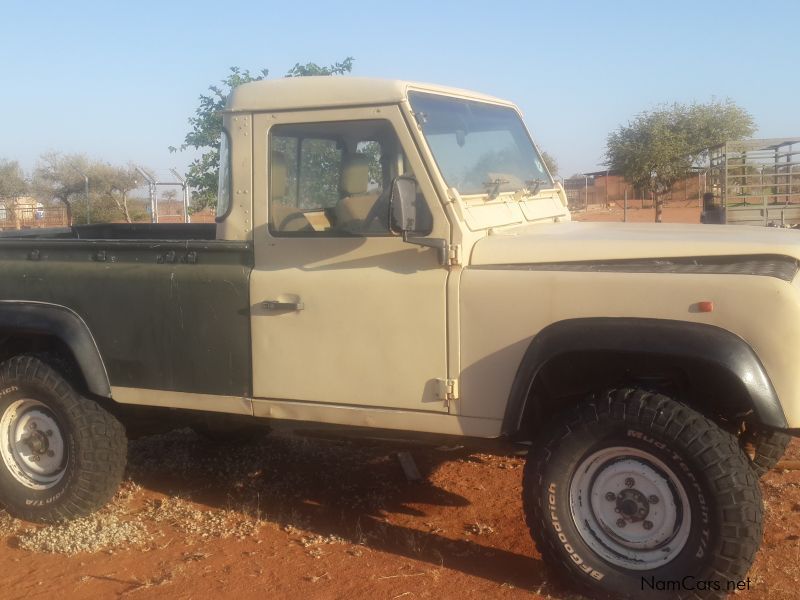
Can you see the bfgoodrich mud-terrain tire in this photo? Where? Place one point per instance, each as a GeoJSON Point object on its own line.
{"type": "Point", "coordinates": [61, 455]}
{"type": "Point", "coordinates": [632, 493]}
{"type": "Point", "coordinates": [765, 448]}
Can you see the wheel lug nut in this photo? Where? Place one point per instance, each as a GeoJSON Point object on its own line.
{"type": "Point", "coordinates": [653, 499]}
{"type": "Point", "coordinates": [32, 425]}
{"type": "Point", "coordinates": [621, 523]}
{"type": "Point", "coordinates": [611, 496]}
{"type": "Point", "coordinates": [35, 458]}
{"type": "Point", "coordinates": [647, 524]}
{"type": "Point", "coordinates": [629, 482]}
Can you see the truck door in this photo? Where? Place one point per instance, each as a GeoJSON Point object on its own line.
{"type": "Point", "coordinates": [342, 310]}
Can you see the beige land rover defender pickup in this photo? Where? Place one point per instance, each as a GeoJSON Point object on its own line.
{"type": "Point", "coordinates": [393, 255]}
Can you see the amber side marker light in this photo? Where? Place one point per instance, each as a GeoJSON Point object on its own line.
{"type": "Point", "coordinates": [705, 306]}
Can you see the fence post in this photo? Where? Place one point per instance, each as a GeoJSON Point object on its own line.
{"type": "Point", "coordinates": [585, 192]}
{"type": "Point", "coordinates": [625, 207]}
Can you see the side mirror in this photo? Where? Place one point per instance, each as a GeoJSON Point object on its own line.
{"type": "Point", "coordinates": [412, 218]}
{"type": "Point", "coordinates": [404, 204]}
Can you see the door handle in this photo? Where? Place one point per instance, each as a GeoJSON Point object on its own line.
{"type": "Point", "coordinates": [278, 305]}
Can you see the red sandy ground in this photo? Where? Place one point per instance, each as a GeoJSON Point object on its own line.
{"type": "Point", "coordinates": [458, 534]}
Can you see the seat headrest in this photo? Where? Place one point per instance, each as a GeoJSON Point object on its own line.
{"type": "Point", "coordinates": [355, 174]}
{"type": "Point", "coordinates": [278, 175]}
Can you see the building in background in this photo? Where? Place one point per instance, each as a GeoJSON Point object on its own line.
{"type": "Point", "coordinates": [27, 212]}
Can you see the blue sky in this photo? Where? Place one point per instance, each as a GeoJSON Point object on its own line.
{"type": "Point", "coordinates": [118, 81]}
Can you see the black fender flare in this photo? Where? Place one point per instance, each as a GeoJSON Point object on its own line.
{"type": "Point", "coordinates": [19, 317]}
{"type": "Point", "coordinates": [647, 336]}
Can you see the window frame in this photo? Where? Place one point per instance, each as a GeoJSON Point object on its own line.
{"type": "Point", "coordinates": [551, 184]}
{"type": "Point", "coordinates": [332, 233]}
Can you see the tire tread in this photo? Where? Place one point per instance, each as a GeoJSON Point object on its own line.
{"type": "Point", "coordinates": [737, 485]}
{"type": "Point", "coordinates": [100, 440]}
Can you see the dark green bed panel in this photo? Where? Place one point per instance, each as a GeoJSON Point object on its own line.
{"type": "Point", "coordinates": [165, 315]}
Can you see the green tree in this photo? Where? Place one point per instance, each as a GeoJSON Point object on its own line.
{"type": "Point", "coordinates": [13, 183]}
{"type": "Point", "coordinates": [109, 189]}
{"type": "Point", "coordinates": [206, 126]}
{"type": "Point", "coordinates": [550, 162]}
{"type": "Point", "coordinates": [169, 196]}
{"type": "Point", "coordinates": [659, 147]}
{"type": "Point", "coordinates": [60, 177]}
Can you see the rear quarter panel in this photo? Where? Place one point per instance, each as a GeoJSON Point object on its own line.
{"type": "Point", "coordinates": [158, 324]}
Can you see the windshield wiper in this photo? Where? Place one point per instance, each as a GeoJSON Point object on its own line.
{"type": "Point", "coordinates": [493, 186]}
{"type": "Point", "coordinates": [534, 185]}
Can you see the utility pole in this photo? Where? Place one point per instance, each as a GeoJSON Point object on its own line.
{"type": "Point", "coordinates": [186, 217]}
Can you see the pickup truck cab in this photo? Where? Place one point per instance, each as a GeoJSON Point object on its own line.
{"type": "Point", "coordinates": [394, 255]}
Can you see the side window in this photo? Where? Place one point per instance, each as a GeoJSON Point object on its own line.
{"type": "Point", "coordinates": [224, 182]}
{"type": "Point", "coordinates": [304, 176]}
{"type": "Point", "coordinates": [332, 179]}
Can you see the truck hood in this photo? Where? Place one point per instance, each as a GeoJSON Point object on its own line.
{"type": "Point", "coordinates": [581, 241]}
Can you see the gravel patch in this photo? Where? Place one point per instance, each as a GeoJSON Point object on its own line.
{"type": "Point", "coordinates": [204, 524]}
{"type": "Point", "coordinates": [8, 524]}
{"type": "Point", "coordinates": [319, 540]}
{"type": "Point", "coordinates": [478, 529]}
{"type": "Point", "coordinates": [90, 534]}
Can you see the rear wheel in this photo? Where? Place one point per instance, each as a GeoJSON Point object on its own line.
{"type": "Point", "coordinates": [61, 455]}
{"type": "Point", "coordinates": [634, 493]}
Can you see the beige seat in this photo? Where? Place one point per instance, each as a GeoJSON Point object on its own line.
{"type": "Point", "coordinates": [282, 216]}
{"type": "Point", "coordinates": [356, 202]}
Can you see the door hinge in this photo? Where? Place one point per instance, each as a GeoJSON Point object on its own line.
{"type": "Point", "coordinates": [454, 254]}
{"type": "Point", "coordinates": [448, 389]}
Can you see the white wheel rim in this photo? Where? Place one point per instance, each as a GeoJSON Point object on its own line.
{"type": "Point", "coordinates": [32, 444]}
{"type": "Point", "coordinates": [630, 508]}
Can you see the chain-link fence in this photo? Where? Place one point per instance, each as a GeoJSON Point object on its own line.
{"type": "Point", "coordinates": [31, 216]}
{"type": "Point", "coordinates": [606, 189]}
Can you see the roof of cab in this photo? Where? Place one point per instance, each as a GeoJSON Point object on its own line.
{"type": "Point", "coordinates": [292, 93]}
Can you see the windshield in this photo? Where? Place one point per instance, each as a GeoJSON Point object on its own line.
{"type": "Point", "coordinates": [479, 148]}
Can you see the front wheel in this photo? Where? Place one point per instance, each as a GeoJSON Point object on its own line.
{"type": "Point", "coordinates": [61, 455]}
{"type": "Point", "coordinates": [764, 448]}
{"type": "Point", "coordinates": [633, 493]}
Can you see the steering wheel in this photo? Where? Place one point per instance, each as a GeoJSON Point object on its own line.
{"type": "Point", "coordinates": [378, 210]}
{"type": "Point", "coordinates": [292, 218]}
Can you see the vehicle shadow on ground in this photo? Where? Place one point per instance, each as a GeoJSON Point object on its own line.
{"type": "Point", "coordinates": [348, 489]}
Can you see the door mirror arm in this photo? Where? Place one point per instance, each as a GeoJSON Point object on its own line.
{"type": "Point", "coordinates": [438, 243]}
